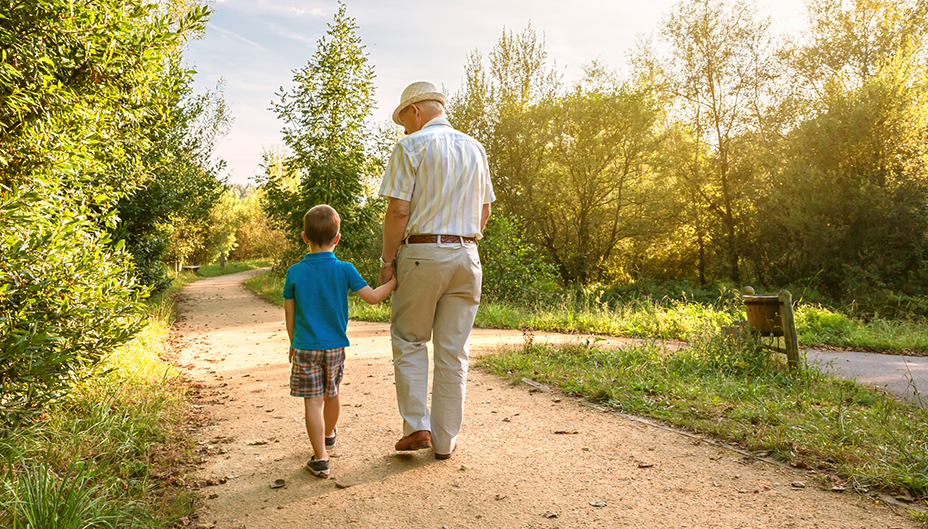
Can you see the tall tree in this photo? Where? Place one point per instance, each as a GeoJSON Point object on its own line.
{"type": "Point", "coordinates": [167, 217]}
{"type": "Point", "coordinates": [851, 196]}
{"type": "Point", "coordinates": [81, 87]}
{"type": "Point", "coordinates": [324, 116]}
{"type": "Point", "coordinates": [719, 65]}
{"type": "Point", "coordinates": [508, 109]}
{"type": "Point", "coordinates": [597, 189]}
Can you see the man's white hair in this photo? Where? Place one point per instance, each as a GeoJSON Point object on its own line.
{"type": "Point", "coordinates": [430, 105]}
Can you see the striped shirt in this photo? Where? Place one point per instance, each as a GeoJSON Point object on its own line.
{"type": "Point", "coordinates": [444, 175]}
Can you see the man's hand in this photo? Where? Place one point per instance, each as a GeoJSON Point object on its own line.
{"type": "Point", "coordinates": [290, 356]}
{"type": "Point", "coordinates": [386, 273]}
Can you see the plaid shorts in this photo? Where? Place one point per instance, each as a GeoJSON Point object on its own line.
{"type": "Point", "coordinates": [316, 372]}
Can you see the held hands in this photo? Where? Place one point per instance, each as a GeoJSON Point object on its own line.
{"type": "Point", "coordinates": [386, 274]}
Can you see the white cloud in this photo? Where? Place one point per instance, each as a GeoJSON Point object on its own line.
{"type": "Point", "coordinates": [288, 33]}
{"type": "Point", "coordinates": [235, 35]}
{"type": "Point", "coordinates": [314, 12]}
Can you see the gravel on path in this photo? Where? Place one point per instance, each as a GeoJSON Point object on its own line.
{"type": "Point", "coordinates": [526, 458]}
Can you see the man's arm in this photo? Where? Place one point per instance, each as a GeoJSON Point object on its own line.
{"type": "Point", "coordinates": [394, 226]}
{"type": "Point", "coordinates": [290, 315]}
{"type": "Point", "coordinates": [484, 217]}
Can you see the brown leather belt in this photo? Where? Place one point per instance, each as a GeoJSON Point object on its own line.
{"type": "Point", "coordinates": [431, 238]}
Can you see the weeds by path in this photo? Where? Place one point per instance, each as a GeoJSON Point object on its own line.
{"type": "Point", "coordinates": [100, 455]}
{"type": "Point", "coordinates": [232, 267]}
{"type": "Point", "coordinates": [667, 319]}
{"type": "Point", "coordinates": [849, 433]}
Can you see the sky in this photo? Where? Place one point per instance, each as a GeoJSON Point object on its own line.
{"type": "Point", "coordinates": [254, 46]}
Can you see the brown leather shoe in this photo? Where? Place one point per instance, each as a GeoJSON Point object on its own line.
{"type": "Point", "coordinates": [415, 441]}
{"type": "Point", "coordinates": [441, 457]}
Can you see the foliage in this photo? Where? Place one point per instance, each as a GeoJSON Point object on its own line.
{"type": "Point", "coordinates": [734, 391]}
{"type": "Point", "coordinates": [254, 236]}
{"type": "Point", "coordinates": [173, 216]}
{"type": "Point", "coordinates": [729, 153]}
{"type": "Point", "coordinates": [81, 91]}
{"type": "Point", "coordinates": [851, 212]}
{"type": "Point", "coordinates": [513, 270]}
{"type": "Point", "coordinates": [59, 314]}
{"type": "Point", "coordinates": [324, 120]}
{"type": "Point", "coordinates": [84, 89]}
{"type": "Point", "coordinates": [97, 458]}
{"type": "Point", "coordinates": [598, 189]}
{"type": "Point", "coordinates": [717, 71]}
{"type": "Point", "coordinates": [573, 167]}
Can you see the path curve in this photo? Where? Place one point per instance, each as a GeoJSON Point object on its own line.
{"type": "Point", "coordinates": [525, 458]}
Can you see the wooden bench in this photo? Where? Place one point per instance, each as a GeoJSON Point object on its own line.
{"type": "Point", "coordinates": [772, 316]}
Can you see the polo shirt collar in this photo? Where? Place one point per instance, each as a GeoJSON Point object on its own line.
{"type": "Point", "coordinates": [318, 256]}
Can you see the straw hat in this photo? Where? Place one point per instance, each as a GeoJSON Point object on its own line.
{"type": "Point", "coordinates": [416, 92]}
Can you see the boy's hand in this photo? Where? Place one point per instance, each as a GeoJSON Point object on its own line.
{"type": "Point", "coordinates": [290, 356]}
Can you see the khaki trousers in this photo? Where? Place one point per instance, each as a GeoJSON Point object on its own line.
{"type": "Point", "coordinates": [436, 298]}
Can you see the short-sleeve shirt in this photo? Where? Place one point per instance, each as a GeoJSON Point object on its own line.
{"type": "Point", "coordinates": [320, 284]}
{"type": "Point", "coordinates": [444, 175]}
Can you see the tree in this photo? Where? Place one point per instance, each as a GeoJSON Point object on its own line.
{"type": "Point", "coordinates": [324, 118]}
{"type": "Point", "coordinates": [851, 196]}
{"type": "Point", "coordinates": [81, 87]}
{"type": "Point", "coordinates": [597, 189]}
{"type": "Point", "coordinates": [254, 236]}
{"type": "Point", "coordinates": [718, 70]}
{"type": "Point", "coordinates": [167, 217]}
{"type": "Point", "coordinates": [848, 43]}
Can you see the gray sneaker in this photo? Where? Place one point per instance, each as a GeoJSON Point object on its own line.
{"type": "Point", "coordinates": [331, 441]}
{"type": "Point", "coordinates": [319, 467]}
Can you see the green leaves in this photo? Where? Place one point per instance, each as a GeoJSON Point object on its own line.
{"type": "Point", "coordinates": [84, 88]}
{"type": "Point", "coordinates": [325, 130]}
{"type": "Point", "coordinates": [65, 300]}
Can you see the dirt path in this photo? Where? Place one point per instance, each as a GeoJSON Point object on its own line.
{"type": "Point", "coordinates": [526, 458]}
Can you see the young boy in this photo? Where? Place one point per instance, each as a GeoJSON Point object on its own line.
{"type": "Point", "coordinates": [316, 307]}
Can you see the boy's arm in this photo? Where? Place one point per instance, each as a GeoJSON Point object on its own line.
{"type": "Point", "coordinates": [289, 315]}
{"type": "Point", "coordinates": [375, 296]}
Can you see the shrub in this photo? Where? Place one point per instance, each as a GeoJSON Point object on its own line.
{"type": "Point", "coordinates": [66, 300]}
{"type": "Point", "coordinates": [821, 325]}
{"type": "Point", "coordinates": [513, 270]}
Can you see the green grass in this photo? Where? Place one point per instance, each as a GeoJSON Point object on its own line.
{"type": "Point", "coordinates": [93, 459]}
{"type": "Point", "coordinates": [213, 270]}
{"type": "Point", "coordinates": [666, 319]}
{"type": "Point", "coordinates": [674, 320]}
{"type": "Point", "coordinates": [820, 325]}
{"type": "Point", "coordinates": [738, 394]}
{"type": "Point", "coordinates": [268, 286]}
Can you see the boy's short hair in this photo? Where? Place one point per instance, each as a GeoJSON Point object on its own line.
{"type": "Point", "coordinates": [321, 224]}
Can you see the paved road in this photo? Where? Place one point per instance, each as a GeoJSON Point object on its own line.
{"type": "Point", "coordinates": [906, 376]}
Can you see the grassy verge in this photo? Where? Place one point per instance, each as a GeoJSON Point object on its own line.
{"type": "Point", "coordinates": [98, 457]}
{"type": "Point", "coordinates": [667, 319]}
{"type": "Point", "coordinates": [848, 432]}
{"type": "Point", "coordinates": [213, 270]}
{"type": "Point", "coordinates": [819, 325]}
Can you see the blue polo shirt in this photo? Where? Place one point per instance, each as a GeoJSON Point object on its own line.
{"type": "Point", "coordinates": [320, 284]}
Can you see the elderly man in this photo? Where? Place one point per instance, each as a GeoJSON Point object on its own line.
{"type": "Point", "coordinates": [438, 183]}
